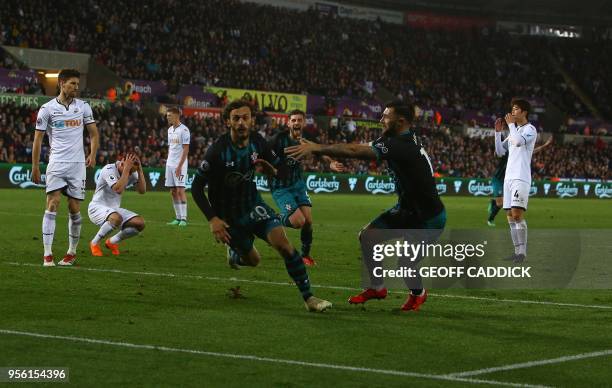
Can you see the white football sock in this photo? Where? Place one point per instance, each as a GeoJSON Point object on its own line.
{"type": "Point", "coordinates": [74, 232]}
{"type": "Point", "coordinates": [48, 231]}
{"type": "Point", "coordinates": [124, 234]}
{"type": "Point", "coordinates": [183, 207]}
{"type": "Point", "coordinates": [514, 235]}
{"type": "Point", "coordinates": [105, 229]}
{"type": "Point", "coordinates": [521, 233]}
{"type": "Point", "coordinates": [177, 209]}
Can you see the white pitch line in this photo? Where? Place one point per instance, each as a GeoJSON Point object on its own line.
{"type": "Point", "coordinates": [331, 287]}
{"type": "Point", "coordinates": [265, 359]}
{"type": "Point", "coordinates": [530, 364]}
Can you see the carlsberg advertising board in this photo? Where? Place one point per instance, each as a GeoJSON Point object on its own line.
{"type": "Point", "coordinates": [20, 176]}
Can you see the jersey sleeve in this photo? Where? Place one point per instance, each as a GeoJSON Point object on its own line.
{"type": "Point", "coordinates": [206, 166]}
{"type": "Point", "coordinates": [109, 177]}
{"type": "Point", "coordinates": [88, 117]}
{"type": "Point", "coordinates": [394, 149]}
{"type": "Point", "coordinates": [185, 136]}
{"type": "Point", "coordinates": [530, 134]}
{"type": "Point", "coordinates": [268, 153]}
{"type": "Point", "coordinates": [501, 146]}
{"type": "Point", "coordinates": [42, 119]}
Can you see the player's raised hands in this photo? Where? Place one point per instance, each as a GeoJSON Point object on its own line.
{"type": "Point", "coordinates": [264, 167]}
{"type": "Point", "coordinates": [302, 150]}
{"type": "Point", "coordinates": [510, 119]}
{"type": "Point", "coordinates": [128, 161]}
{"type": "Point", "coordinates": [218, 227]}
{"type": "Point", "coordinates": [499, 125]}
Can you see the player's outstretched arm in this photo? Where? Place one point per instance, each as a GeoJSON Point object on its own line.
{"type": "Point", "coordinates": [543, 146]}
{"type": "Point", "coordinates": [355, 151]}
{"type": "Point", "coordinates": [38, 138]}
{"type": "Point", "coordinates": [265, 167]}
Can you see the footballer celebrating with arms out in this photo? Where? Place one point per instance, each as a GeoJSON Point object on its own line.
{"type": "Point", "coordinates": [418, 207]}
{"type": "Point", "coordinates": [288, 187]}
{"type": "Point", "coordinates": [234, 208]}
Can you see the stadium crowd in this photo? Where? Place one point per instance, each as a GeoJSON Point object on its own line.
{"type": "Point", "coordinates": [124, 128]}
{"type": "Point", "coordinates": [213, 42]}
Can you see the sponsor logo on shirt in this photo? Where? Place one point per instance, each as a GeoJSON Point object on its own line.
{"type": "Point", "coordinates": [382, 147]}
{"type": "Point", "coordinates": [67, 123]}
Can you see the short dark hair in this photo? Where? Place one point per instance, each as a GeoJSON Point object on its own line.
{"type": "Point", "coordinates": [66, 74]}
{"type": "Point", "coordinates": [403, 109]}
{"type": "Point", "coordinates": [297, 112]}
{"type": "Point", "coordinates": [174, 110]}
{"type": "Point", "coordinates": [236, 104]}
{"type": "Point", "coordinates": [521, 103]}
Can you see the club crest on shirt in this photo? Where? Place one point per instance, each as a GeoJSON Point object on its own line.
{"type": "Point", "coordinates": [254, 156]}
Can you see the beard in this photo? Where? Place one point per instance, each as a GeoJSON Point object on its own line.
{"type": "Point", "coordinates": [392, 129]}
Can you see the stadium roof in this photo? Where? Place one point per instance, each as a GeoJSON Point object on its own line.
{"type": "Point", "coordinates": [584, 12]}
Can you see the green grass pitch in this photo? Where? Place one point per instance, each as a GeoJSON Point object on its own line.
{"type": "Point", "coordinates": [162, 313]}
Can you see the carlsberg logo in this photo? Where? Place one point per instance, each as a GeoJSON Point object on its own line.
{"type": "Point", "coordinates": [603, 191]}
{"type": "Point", "coordinates": [479, 188]}
{"type": "Point", "coordinates": [565, 191]}
{"type": "Point", "coordinates": [378, 186]}
{"type": "Point", "coordinates": [319, 184]}
{"type": "Point", "coordinates": [441, 187]}
{"type": "Point", "coordinates": [22, 177]}
{"type": "Point", "coordinates": [262, 183]}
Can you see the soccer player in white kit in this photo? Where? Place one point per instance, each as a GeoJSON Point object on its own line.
{"type": "Point", "coordinates": [105, 208]}
{"type": "Point", "coordinates": [63, 119]}
{"type": "Point", "coordinates": [176, 165]}
{"type": "Point", "coordinates": [517, 181]}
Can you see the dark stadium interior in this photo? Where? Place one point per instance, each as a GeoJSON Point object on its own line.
{"type": "Point", "coordinates": [467, 75]}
